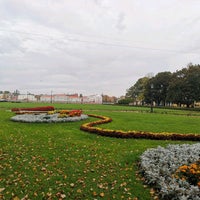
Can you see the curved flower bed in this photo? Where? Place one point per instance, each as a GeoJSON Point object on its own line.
{"type": "Point", "coordinates": [89, 127]}
{"type": "Point", "coordinates": [159, 167]}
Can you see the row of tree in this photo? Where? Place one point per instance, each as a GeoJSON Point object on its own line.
{"type": "Point", "coordinates": [165, 88]}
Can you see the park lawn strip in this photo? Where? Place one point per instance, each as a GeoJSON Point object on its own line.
{"type": "Point", "coordinates": [152, 122]}
{"type": "Point", "coordinates": [101, 107]}
{"type": "Point", "coordinates": [59, 160]}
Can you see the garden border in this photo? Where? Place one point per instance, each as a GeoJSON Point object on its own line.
{"type": "Point", "coordinates": [90, 127]}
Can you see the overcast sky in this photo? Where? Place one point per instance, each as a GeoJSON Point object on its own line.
{"type": "Point", "coordinates": [94, 46]}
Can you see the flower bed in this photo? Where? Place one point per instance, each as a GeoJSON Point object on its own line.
{"type": "Point", "coordinates": [47, 114]}
{"type": "Point", "coordinates": [190, 173]}
{"type": "Point", "coordinates": [43, 109]}
{"type": "Point", "coordinates": [41, 118]}
{"type": "Point", "coordinates": [89, 127]}
{"type": "Point", "coordinates": [160, 167]}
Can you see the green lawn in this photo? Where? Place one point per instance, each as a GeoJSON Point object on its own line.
{"type": "Point", "coordinates": [52, 161]}
{"type": "Point", "coordinates": [154, 122]}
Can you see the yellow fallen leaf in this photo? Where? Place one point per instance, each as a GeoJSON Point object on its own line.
{"type": "Point", "coordinates": [101, 194]}
{"type": "Point", "coordinates": [152, 192]}
{"type": "Point", "coordinates": [15, 198]}
{"type": "Point", "coordinates": [2, 189]}
{"type": "Point", "coordinates": [79, 191]}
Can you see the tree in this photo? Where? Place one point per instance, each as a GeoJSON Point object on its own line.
{"type": "Point", "coordinates": [157, 87]}
{"type": "Point", "coordinates": [160, 86]}
{"type": "Point", "coordinates": [184, 87]}
{"type": "Point", "coordinates": [136, 92]}
{"type": "Point", "coordinates": [192, 84]}
{"type": "Point", "coordinates": [180, 87]}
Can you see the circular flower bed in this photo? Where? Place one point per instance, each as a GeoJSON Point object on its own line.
{"type": "Point", "coordinates": [41, 118]}
{"type": "Point", "coordinates": [173, 171]}
{"type": "Point", "coordinates": [47, 114]}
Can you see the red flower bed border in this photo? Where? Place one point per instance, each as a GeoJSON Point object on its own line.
{"type": "Point", "coordinates": [90, 127]}
{"type": "Point", "coordinates": [42, 108]}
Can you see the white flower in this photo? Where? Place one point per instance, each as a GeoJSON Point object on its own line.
{"type": "Point", "coordinates": [31, 118]}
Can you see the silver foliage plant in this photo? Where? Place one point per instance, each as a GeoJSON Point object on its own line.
{"type": "Point", "coordinates": [158, 165]}
{"type": "Point", "coordinates": [46, 118]}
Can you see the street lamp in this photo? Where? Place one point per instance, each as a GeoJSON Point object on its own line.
{"type": "Point", "coordinates": [27, 96]}
{"type": "Point", "coordinates": [136, 99]}
{"type": "Point", "coordinates": [152, 86]}
{"type": "Point", "coordinates": [51, 96]}
{"type": "Point", "coordinates": [161, 96]}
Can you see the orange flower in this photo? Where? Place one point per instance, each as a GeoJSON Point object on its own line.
{"type": "Point", "coordinates": [190, 173]}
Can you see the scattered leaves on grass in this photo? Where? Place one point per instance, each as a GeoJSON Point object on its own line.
{"type": "Point", "coordinates": [30, 166]}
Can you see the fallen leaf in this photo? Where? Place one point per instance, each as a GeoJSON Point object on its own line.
{"type": "Point", "coordinates": [79, 191]}
{"type": "Point", "coordinates": [2, 189]}
{"type": "Point", "coordinates": [94, 194]}
{"type": "Point", "coordinates": [101, 194]}
{"type": "Point", "coordinates": [72, 185]}
{"type": "Point", "coordinates": [15, 198]}
{"type": "Point", "coordinates": [63, 196]}
{"type": "Point", "coordinates": [152, 191]}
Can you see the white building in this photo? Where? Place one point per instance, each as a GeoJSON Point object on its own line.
{"type": "Point", "coordinates": [62, 98]}
{"type": "Point", "coordinates": [2, 96]}
{"type": "Point", "coordinates": [46, 98]}
{"type": "Point", "coordinates": [71, 98]}
{"type": "Point", "coordinates": [95, 99]}
{"type": "Point", "coordinates": [26, 97]}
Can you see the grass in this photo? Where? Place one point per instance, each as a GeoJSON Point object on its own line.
{"type": "Point", "coordinates": [52, 161]}
{"type": "Point", "coordinates": [155, 122]}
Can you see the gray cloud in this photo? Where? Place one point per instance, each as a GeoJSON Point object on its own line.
{"type": "Point", "coordinates": [93, 46]}
{"type": "Point", "coordinates": [120, 23]}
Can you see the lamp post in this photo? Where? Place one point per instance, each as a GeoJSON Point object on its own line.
{"type": "Point", "coordinates": [160, 95]}
{"type": "Point", "coordinates": [152, 86]}
{"type": "Point", "coordinates": [51, 96]}
{"type": "Point", "coordinates": [136, 100]}
{"type": "Point", "coordinates": [27, 97]}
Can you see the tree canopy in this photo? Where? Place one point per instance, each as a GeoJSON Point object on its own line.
{"type": "Point", "coordinates": [180, 87]}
